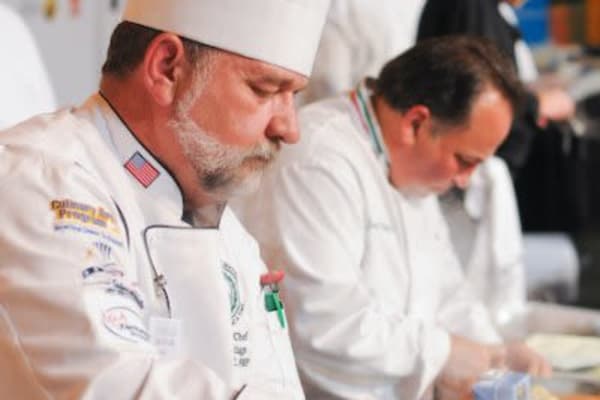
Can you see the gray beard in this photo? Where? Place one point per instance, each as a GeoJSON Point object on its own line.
{"type": "Point", "coordinates": [223, 171]}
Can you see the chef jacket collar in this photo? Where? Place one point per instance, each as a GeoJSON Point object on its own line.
{"type": "Point", "coordinates": [363, 107]}
{"type": "Point", "coordinates": [154, 181]}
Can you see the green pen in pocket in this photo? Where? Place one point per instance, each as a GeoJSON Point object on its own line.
{"type": "Point", "coordinates": [270, 282]}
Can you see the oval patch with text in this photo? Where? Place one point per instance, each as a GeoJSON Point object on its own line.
{"type": "Point", "coordinates": [126, 324]}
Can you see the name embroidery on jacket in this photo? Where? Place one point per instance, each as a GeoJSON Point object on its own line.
{"type": "Point", "coordinates": [70, 215]}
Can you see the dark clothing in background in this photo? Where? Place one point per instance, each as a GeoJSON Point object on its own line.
{"type": "Point", "coordinates": [477, 17]}
{"type": "Point", "coordinates": [481, 18]}
{"type": "Point", "coordinates": [545, 163]}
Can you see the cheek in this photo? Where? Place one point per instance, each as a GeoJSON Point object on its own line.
{"type": "Point", "coordinates": [444, 168]}
{"type": "Point", "coordinates": [236, 123]}
{"type": "Point", "coordinates": [434, 164]}
{"type": "Point", "coordinates": [247, 129]}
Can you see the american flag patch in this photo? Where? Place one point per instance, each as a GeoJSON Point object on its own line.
{"type": "Point", "coordinates": [141, 169]}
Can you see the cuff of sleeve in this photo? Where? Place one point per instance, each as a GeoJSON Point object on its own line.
{"type": "Point", "coordinates": [483, 327]}
{"type": "Point", "coordinates": [437, 351]}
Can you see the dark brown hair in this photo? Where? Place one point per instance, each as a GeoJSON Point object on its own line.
{"type": "Point", "coordinates": [446, 74]}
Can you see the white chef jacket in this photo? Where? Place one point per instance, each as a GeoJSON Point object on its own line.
{"type": "Point", "coordinates": [373, 286]}
{"type": "Point", "coordinates": [486, 233]}
{"type": "Point", "coordinates": [359, 38]}
{"type": "Point", "coordinates": [106, 293]}
{"type": "Point", "coordinates": [26, 88]}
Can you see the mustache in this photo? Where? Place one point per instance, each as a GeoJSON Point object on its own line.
{"type": "Point", "coordinates": [254, 159]}
{"type": "Point", "coordinates": [266, 151]}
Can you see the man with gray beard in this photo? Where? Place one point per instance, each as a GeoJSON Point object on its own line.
{"type": "Point", "coordinates": [217, 164]}
{"type": "Point", "coordinates": [123, 274]}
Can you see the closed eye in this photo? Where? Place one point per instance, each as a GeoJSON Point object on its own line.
{"type": "Point", "coordinates": [261, 92]}
{"type": "Point", "coordinates": [466, 163]}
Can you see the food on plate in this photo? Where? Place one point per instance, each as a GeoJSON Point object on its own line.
{"type": "Point", "coordinates": [538, 392]}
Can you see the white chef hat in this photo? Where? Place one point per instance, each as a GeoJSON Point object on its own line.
{"type": "Point", "coordinates": [281, 32]}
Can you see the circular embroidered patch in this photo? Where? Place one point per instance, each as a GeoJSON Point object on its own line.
{"type": "Point", "coordinates": [235, 301]}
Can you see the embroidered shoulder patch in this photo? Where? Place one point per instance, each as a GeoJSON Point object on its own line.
{"type": "Point", "coordinates": [70, 215]}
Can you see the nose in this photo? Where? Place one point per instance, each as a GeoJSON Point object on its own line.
{"type": "Point", "coordinates": [461, 179]}
{"type": "Point", "coordinates": [284, 124]}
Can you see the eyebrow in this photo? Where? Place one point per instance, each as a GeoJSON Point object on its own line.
{"type": "Point", "coordinates": [276, 81]}
{"type": "Point", "coordinates": [265, 74]}
{"type": "Point", "coordinates": [272, 80]}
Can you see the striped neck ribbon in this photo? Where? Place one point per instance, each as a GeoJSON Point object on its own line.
{"type": "Point", "coordinates": [361, 100]}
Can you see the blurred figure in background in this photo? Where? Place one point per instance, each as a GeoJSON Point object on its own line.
{"type": "Point", "coordinates": [497, 21]}
{"type": "Point", "coordinates": [534, 154]}
{"type": "Point", "coordinates": [26, 88]}
{"type": "Point", "coordinates": [360, 36]}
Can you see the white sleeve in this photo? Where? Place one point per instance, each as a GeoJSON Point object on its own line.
{"type": "Point", "coordinates": [461, 311]}
{"type": "Point", "coordinates": [509, 294]}
{"type": "Point", "coordinates": [71, 313]}
{"type": "Point", "coordinates": [311, 222]}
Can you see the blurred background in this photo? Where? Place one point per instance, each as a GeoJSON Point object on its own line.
{"type": "Point", "coordinates": [565, 38]}
{"type": "Point", "coordinates": [72, 37]}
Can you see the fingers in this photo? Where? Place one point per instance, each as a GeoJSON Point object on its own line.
{"type": "Point", "coordinates": [446, 394]}
{"type": "Point", "coordinates": [555, 104]}
{"type": "Point", "coordinates": [539, 366]}
{"type": "Point", "coordinates": [546, 370]}
{"type": "Point", "coordinates": [522, 358]}
{"type": "Point", "coordinates": [469, 359]}
{"type": "Point", "coordinates": [498, 357]}
{"type": "Point", "coordinates": [534, 366]}
{"type": "Point", "coordinates": [450, 389]}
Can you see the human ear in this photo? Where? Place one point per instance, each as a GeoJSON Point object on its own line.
{"type": "Point", "coordinates": [414, 121]}
{"type": "Point", "coordinates": [163, 64]}
{"type": "Point", "coordinates": [417, 116]}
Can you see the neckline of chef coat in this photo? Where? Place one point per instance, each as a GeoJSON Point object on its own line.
{"type": "Point", "coordinates": [361, 100]}
{"type": "Point", "coordinates": [163, 190]}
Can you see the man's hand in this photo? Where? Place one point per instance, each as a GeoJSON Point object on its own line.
{"type": "Point", "coordinates": [467, 362]}
{"type": "Point", "coordinates": [554, 105]}
{"type": "Point", "coordinates": [520, 357]}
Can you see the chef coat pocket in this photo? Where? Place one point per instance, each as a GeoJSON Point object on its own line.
{"type": "Point", "coordinates": [274, 350]}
